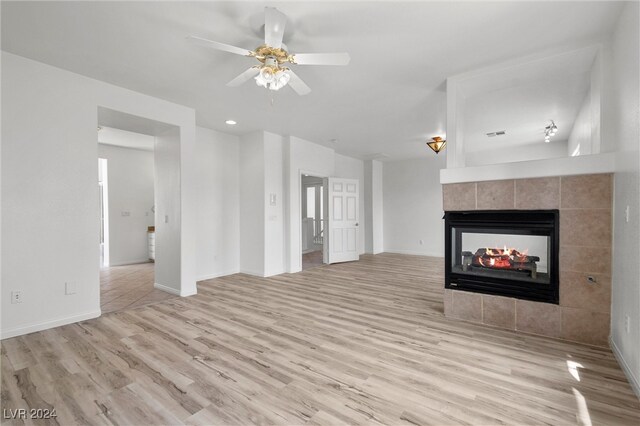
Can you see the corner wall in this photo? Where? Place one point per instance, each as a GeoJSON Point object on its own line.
{"type": "Point", "coordinates": [50, 209]}
{"type": "Point", "coordinates": [413, 206]}
{"type": "Point", "coordinates": [252, 207]}
{"type": "Point", "coordinates": [218, 212]}
{"type": "Point", "coordinates": [623, 126]}
{"type": "Point", "coordinates": [168, 212]}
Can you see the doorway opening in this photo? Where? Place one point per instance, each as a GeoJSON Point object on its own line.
{"type": "Point", "coordinates": [313, 221]}
{"type": "Point", "coordinates": [134, 164]}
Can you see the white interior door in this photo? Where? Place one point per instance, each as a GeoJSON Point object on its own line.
{"type": "Point", "coordinates": [341, 236]}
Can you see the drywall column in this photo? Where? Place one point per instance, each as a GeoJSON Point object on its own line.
{"type": "Point", "coordinates": [251, 204]}
{"type": "Point", "coordinates": [373, 207]}
{"type": "Point", "coordinates": [218, 213]}
{"type": "Point", "coordinates": [261, 204]}
{"type": "Point", "coordinates": [273, 205]}
{"type": "Point", "coordinates": [168, 212]}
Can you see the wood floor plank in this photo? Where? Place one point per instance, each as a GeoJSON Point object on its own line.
{"type": "Point", "coordinates": [355, 343]}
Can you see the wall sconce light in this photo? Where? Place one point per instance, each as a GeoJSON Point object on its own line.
{"type": "Point", "coordinates": [437, 144]}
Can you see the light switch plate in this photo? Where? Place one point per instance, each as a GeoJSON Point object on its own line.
{"type": "Point", "coordinates": [272, 199]}
{"type": "Point", "coordinates": [16, 297]}
{"type": "Point", "coordinates": [70, 288]}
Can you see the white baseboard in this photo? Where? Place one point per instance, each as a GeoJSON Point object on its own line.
{"type": "Point", "coordinates": [167, 289]}
{"type": "Point", "coordinates": [250, 272]}
{"type": "Point", "coordinates": [273, 273]}
{"type": "Point", "coordinates": [189, 293]}
{"type": "Point", "coordinates": [5, 334]}
{"type": "Point", "coordinates": [217, 275]}
{"type": "Point", "coordinates": [633, 380]}
{"type": "Point", "coordinates": [413, 252]}
{"type": "Point", "coordinates": [172, 290]}
{"type": "Point", "coordinates": [129, 262]}
{"type": "Point", "coordinates": [261, 274]}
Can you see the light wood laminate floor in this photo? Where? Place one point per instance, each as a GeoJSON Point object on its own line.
{"type": "Point", "coordinates": [312, 260]}
{"type": "Point", "coordinates": [129, 286]}
{"type": "Point", "coordinates": [355, 343]}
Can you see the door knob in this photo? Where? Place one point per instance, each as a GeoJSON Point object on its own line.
{"type": "Point", "coordinates": [356, 223]}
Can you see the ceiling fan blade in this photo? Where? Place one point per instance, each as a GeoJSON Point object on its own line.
{"type": "Point", "coordinates": [244, 77]}
{"type": "Point", "coordinates": [218, 46]}
{"type": "Point", "coordinates": [321, 58]}
{"type": "Point", "coordinates": [274, 23]}
{"type": "Point", "coordinates": [296, 83]}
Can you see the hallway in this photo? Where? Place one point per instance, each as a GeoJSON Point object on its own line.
{"type": "Point", "coordinates": [129, 286]}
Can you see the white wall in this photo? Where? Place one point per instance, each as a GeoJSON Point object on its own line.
{"type": "Point", "coordinates": [274, 214]}
{"type": "Point", "coordinates": [300, 156]}
{"type": "Point", "coordinates": [373, 206]}
{"type": "Point", "coordinates": [376, 223]}
{"type": "Point", "coordinates": [623, 126]}
{"type": "Point", "coordinates": [270, 235]}
{"type": "Point", "coordinates": [130, 183]}
{"type": "Point", "coordinates": [539, 151]}
{"type": "Point", "coordinates": [579, 142]}
{"type": "Point", "coordinates": [218, 214]}
{"type": "Point", "coordinates": [353, 168]}
{"type": "Point", "coordinates": [413, 206]}
{"type": "Point", "coordinates": [252, 204]}
{"type": "Point", "coordinates": [50, 200]}
{"type": "Point", "coordinates": [168, 211]}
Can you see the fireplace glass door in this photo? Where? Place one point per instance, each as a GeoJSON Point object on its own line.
{"type": "Point", "coordinates": [511, 253]}
{"type": "Point", "coordinates": [499, 253]}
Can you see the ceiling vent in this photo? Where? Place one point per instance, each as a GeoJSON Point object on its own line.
{"type": "Point", "coordinates": [493, 134]}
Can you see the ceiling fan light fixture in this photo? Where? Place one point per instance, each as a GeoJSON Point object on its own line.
{"type": "Point", "coordinates": [437, 144]}
{"type": "Point", "coordinates": [272, 77]}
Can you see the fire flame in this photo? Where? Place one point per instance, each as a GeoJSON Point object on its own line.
{"type": "Point", "coordinates": [502, 258]}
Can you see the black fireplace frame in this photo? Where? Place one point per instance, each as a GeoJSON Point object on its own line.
{"type": "Point", "coordinates": [529, 222]}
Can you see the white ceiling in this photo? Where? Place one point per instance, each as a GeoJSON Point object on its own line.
{"type": "Point", "coordinates": [388, 100]}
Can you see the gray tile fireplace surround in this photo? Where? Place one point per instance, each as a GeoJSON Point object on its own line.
{"type": "Point", "coordinates": [585, 204]}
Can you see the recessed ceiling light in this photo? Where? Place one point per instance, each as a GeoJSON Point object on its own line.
{"type": "Point", "coordinates": [231, 122]}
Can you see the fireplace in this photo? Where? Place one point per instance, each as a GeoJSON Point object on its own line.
{"type": "Point", "coordinates": [510, 253]}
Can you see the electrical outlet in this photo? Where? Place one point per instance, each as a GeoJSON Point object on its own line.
{"type": "Point", "coordinates": [125, 214]}
{"type": "Point", "coordinates": [16, 297]}
{"type": "Point", "coordinates": [69, 288]}
{"type": "Point", "coordinates": [421, 242]}
{"type": "Point", "coordinates": [627, 324]}
{"type": "Point", "coordinates": [166, 218]}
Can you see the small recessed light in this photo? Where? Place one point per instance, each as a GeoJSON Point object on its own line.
{"type": "Point", "coordinates": [231, 122]}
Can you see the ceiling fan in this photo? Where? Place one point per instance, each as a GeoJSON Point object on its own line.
{"type": "Point", "coordinates": [271, 72]}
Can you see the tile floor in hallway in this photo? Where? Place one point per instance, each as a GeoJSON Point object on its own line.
{"type": "Point", "coordinates": [129, 286]}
